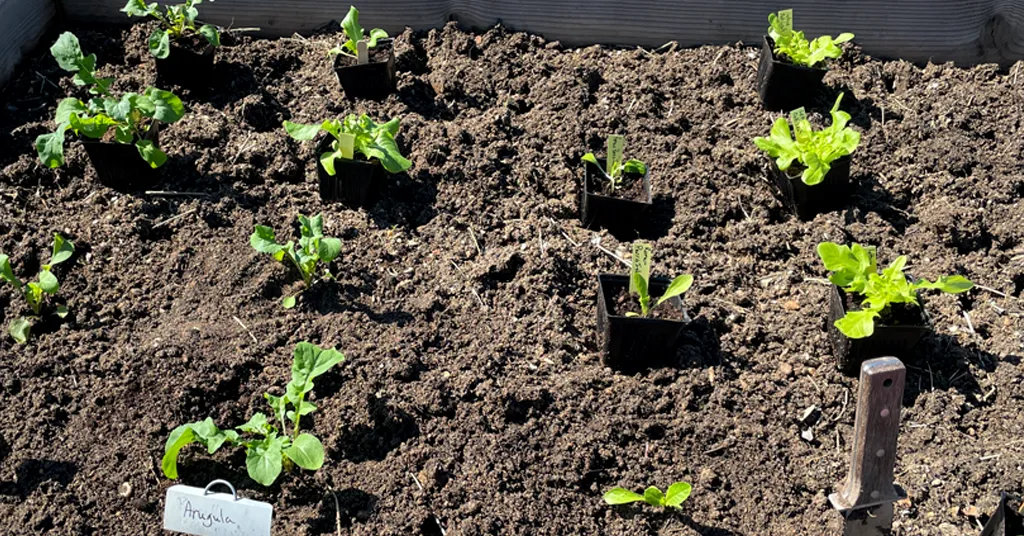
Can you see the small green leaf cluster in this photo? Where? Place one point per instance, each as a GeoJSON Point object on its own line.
{"type": "Point", "coordinates": [795, 46]}
{"type": "Point", "coordinates": [855, 270]}
{"type": "Point", "coordinates": [614, 175]}
{"type": "Point", "coordinates": [355, 33]}
{"type": "Point", "coordinates": [361, 134]}
{"type": "Point", "coordinates": [640, 282]}
{"type": "Point", "coordinates": [313, 247]}
{"type": "Point", "coordinates": [176, 21]}
{"type": "Point", "coordinates": [814, 150]}
{"type": "Point", "coordinates": [34, 291]}
{"type": "Point", "coordinates": [673, 498]}
{"type": "Point", "coordinates": [268, 448]}
{"type": "Point", "coordinates": [129, 117]}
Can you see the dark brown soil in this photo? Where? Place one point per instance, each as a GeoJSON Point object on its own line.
{"type": "Point", "coordinates": [631, 187]}
{"type": "Point", "coordinates": [465, 301]}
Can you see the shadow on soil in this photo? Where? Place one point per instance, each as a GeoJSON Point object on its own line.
{"type": "Point", "coordinates": [871, 196]}
{"type": "Point", "coordinates": [31, 474]}
{"type": "Point", "coordinates": [391, 427]}
{"type": "Point", "coordinates": [941, 362]}
{"type": "Point", "coordinates": [353, 506]}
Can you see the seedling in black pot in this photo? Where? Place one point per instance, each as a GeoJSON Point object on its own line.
{"type": "Point", "coordinates": [615, 191]}
{"type": "Point", "coordinates": [633, 334]}
{"type": "Point", "coordinates": [35, 291]}
{"type": "Point", "coordinates": [875, 314]}
{"type": "Point", "coordinates": [791, 71]}
{"type": "Point", "coordinates": [365, 65]}
{"type": "Point", "coordinates": [131, 121]}
{"type": "Point", "coordinates": [314, 247]}
{"type": "Point", "coordinates": [811, 168]}
{"type": "Point", "coordinates": [183, 52]}
{"type": "Point", "coordinates": [353, 156]}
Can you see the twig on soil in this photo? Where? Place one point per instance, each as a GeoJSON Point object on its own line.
{"type": "Point", "coordinates": [970, 325]}
{"type": "Point", "coordinates": [414, 479]}
{"type": "Point", "coordinates": [250, 29]}
{"type": "Point", "coordinates": [597, 242]}
{"type": "Point", "coordinates": [719, 447]}
{"type": "Point", "coordinates": [47, 80]}
{"type": "Point", "coordinates": [472, 237]}
{"type": "Point", "coordinates": [169, 193]}
{"type": "Point", "coordinates": [987, 458]}
{"type": "Point", "coordinates": [993, 291]}
{"type": "Point", "coordinates": [846, 400]}
{"type": "Point", "coordinates": [337, 510]}
{"type": "Point", "coordinates": [561, 230]}
{"type": "Point", "coordinates": [540, 242]}
{"type": "Point", "coordinates": [436, 520]}
{"type": "Point", "coordinates": [246, 328]}
{"type": "Point", "coordinates": [473, 290]}
{"type": "Point", "coordinates": [172, 218]}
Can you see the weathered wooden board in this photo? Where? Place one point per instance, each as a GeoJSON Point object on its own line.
{"type": "Point", "coordinates": [22, 23]}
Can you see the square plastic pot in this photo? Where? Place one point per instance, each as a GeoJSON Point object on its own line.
{"type": "Point", "coordinates": [894, 341]}
{"type": "Point", "coordinates": [1005, 521]}
{"type": "Point", "coordinates": [120, 166]}
{"type": "Point", "coordinates": [356, 183]}
{"type": "Point", "coordinates": [807, 201]}
{"type": "Point", "coordinates": [783, 85]}
{"type": "Point", "coordinates": [599, 210]}
{"type": "Point", "coordinates": [185, 67]}
{"type": "Point", "coordinates": [631, 344]}
{"type": "Point", "coordinates": [373, 80]}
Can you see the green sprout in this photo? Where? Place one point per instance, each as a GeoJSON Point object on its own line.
{"type": "Point", "coordinates": [268, 448]}
{"type": "Point", "coordinates": [795, 46]}
{"type": "Point", "coordinates": [177, 21]}
{"type": "Point", "coordinates": [34, 291]}
{"type": "Point", "coordinates": [355, 33]}
{"type": "Point", "coordinates": [355, 134]}
{"type": "Point", "coordinates": [639, 279]}
{"type": "Point", "coordinates": [616, 166]}
{"type": "Point", "coordinates": [314, 247]}
{"type": "Point", "coordinates": [673, 498]}
{"type": "Point", "coordinates": [855, 270]}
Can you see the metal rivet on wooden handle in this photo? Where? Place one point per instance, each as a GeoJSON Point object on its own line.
{"type": "Point", "coordinates": [870, 482]}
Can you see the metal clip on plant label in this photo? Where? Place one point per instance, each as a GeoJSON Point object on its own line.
{"type": "Point", "coordinates": [234, 494]}
{"type": "Point", "coordinates": [866, 499]}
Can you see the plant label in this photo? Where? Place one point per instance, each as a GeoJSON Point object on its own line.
{"type": "Point", "coordinates": [641, 264]}
{"type": "Point", "coordinates": [363, 52]}
{"type": "Point", "coordinates": [200, 512]}
{"type": "Point", "coordinates": [616, 147]}
{"type": "Point", "coordinates": [346, 144]}
{"type": "Point", "coordinates": [801, 126]}
{"type": "Point", "coordinates": [786, 18]}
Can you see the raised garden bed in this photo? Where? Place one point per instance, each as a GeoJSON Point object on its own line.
{"type": "Point", "coordinates": [465, 298]}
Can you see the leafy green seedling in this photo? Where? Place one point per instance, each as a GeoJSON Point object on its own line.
{"type": "Point", "coordinates": [814, 150]}
{"type": "Point", "coordinates": [313, 247]}
{"type": "Point", "coordinates": [855, 270]}
{"type": "Point", "coordinates": [33, 291]}
{"type": "Point", "coordinates": [355, 34]}
{"type": "Point", "coordinates": [795, 46]}
{"type": "Point", "coordinates": [268, 448]}
{"type": "Point", "coordinates": [129, 116]}
{"type": "Point", "coordinates": [673, 498]}
{"type": "Point", "coordinates": [355, 134]}
{"type": "Point", "coordinates": [640, 270]}
{"type": "Point", "coordinates": [616, 165]}
{"type": "Point", "coordinates": [176, 22]}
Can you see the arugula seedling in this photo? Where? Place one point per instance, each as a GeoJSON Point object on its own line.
{"type": "Point", "coordinates": [34, 291]}
{"type": "Point", "coordinates": [355, 134]}
{"type": "Point", "coordinates": [268, 448]}
{"type": "Point", "coordinates": [795, 46]}
{"type": "Point", "coordinates": [616, 166]}
{"type": "Point", "coordinates": [639, 275]}
{"type": "Point", "coordinates": [673, 498]}
{"type": "Point", "coordinates": [814, 150]}
{"type": "Point", "coordinates": [176, 22]}
{"type": "Point", "coordinates": [313, 247]}
{"type": "Point", "coordinates": [129, 116]}
{"type": "Point", "coordinates": [355, 33]}
{"type": "Point", "coordinates": [855, 270]}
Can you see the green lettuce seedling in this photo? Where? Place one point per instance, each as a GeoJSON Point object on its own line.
{"type": "Point", "coordinates": [34, 291]}
{"type": "Point", "coordinates": [795, 46]}
{"type": "Point", "coordinates": [355, 134]}
{"type": "Point", "coordinates": [268, 448]}
{"type": "Point", "coordinates": [313, 247]}
{"type": "Point", "coordinates": [176, 22]}
{"type": "Point", "coordinates": [814, 150]}
{"type": "Point", "coordinates": [673, 498]}
{"type": "Point", "coordinates": [128, 116]}
{"type": "Point", "coordinates": [616, 165]}
{"type": "Point", "coordinates": [855, 270]}
{"type": "Point", "coordinates": [640, 281]}
{"type": "Point", "coordinates": [355, 33]}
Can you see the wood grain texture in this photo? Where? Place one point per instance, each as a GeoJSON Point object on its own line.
{"type": "Point", "coordinates": [22, 23]}
{"type": "Point", "coordinates": [967, 32]}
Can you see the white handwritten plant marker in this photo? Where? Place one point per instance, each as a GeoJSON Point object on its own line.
{"type": "Point", "coordinates": [362, 52]}
{"type": "Point", "coordinates": [801, 128]}
{"type": "Point", "coordinates": [786, 18]}
{"type": "Point", "coordinates": [616, 147]}
{"type": "Point", "coordinates": [640, 263]}
{"type": "Point", "coordinates": [200, 512]}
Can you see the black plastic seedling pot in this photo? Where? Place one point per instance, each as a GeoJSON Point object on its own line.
{"type": "Point", "coordinates": [372, 80]}
{"type": "Point", "coordinates": [896, 341]}
{"type": "Point", "coordinates": [600, 210]}
{"type": "Point", "coordinates": [807, 201]}
{"type": "Point", "coordinates": [187, 66]}
{"type": "Point", "coordinates": [1006, 521]}
{"type": "Point", "coordinates": [357, 183]}
{"type": "Point", "coordinates": [119, 165]}
{"type": "Point", "coordinates": [783, 85]}
{"type": "Point", "coordinates": [630, 344]}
